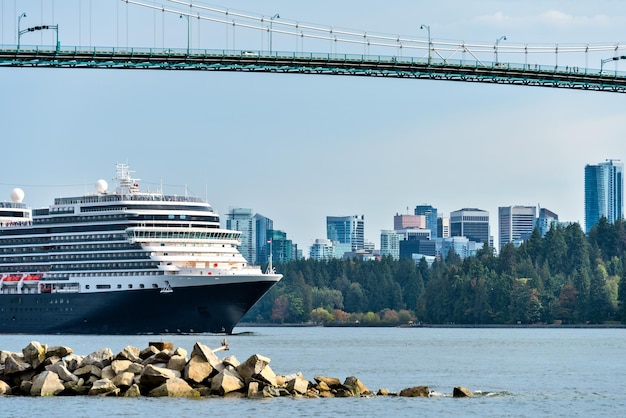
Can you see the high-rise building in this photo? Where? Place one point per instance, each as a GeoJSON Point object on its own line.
{"type": "Point", "coordinates": [390, 243]}
{"type": "Point", "coordinates": [322, 250]}
{"type": "Point", "coordinates": [546, 220]}
{"type": "Point", "coordinates": [431, 217]}
{"type": "Point", "coordinates": [408, 221]}
{"type": "Point", "coordinates": [240, 219]}
{"type": "Point", "coordinates": [515, 224]}
{"type": "Point", "coordinates": [263, 227]}
{"type": "Point", "coordinates": [471, 223]}
{"type": "Point", "coordinates": [346, 230]}
{"type": "Point", "coordinates": [604, 192]}
{"type": "Point", "coordinates": [443, 227]}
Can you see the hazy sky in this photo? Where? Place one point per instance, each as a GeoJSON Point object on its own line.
{"type": "Point", "coordinates": [297, 148]}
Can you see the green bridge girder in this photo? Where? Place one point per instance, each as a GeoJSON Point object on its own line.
{"type": "Point", "coordinates": [315, 63]}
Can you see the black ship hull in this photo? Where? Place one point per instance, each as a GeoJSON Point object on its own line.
{"type": "Point", "coordinates": [197, 309]}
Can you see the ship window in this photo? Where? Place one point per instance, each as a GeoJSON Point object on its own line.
{"type": "Point", "coordinates": [130, 286]}
{"type": "Point", "coordinates": [103, 286]}
{"type": "Point", "coordinates": [141, 286]}
{"type": "Point", "coordinates": [119, 286]}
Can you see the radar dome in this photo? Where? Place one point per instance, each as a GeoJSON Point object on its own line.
{"type": "Point", "coordinates": [17, 195]}
{"type": "Point", "coordinates": [102, 186]}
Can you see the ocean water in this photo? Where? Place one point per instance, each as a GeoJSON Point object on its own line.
{"type": "Point", "coordinates": [514, 372]}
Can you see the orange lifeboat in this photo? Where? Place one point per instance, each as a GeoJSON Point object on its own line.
{"type": "Point", "coordinates": [32, 277]}
{"type": "Point", "coordinates": [11, 278]}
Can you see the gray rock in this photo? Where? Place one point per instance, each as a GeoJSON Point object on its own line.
{"type": "Point", "coordinates": [174, 387]}
{"type": "Point", "coordinates": [156, 376]}
{"type": "Point", "coordinates": [102, 387]}
{"type": "Point", "coordinates": [34, 353]}
{"type": "Point", "coordinates": [100, 358]}
{"type": "Point", "coordinates": [252, 366]}
{"type": "Point", "coordinates": [205, 352]}
{"type": "Point", "coordinates": [298, 385]}
{"type": "Point", "coordinates": [46, 384]}
{"type": "Point", "coordinates": [177, 362]}
{"type": "Point", "coordinates": [130, 353]}
{"type": "Point", "coordinates": [124, 380]}
{"type": "Point", "coordinates": [62, 371]}
{"type": "Point", "coordinates": [120, 366]}
{"type": "Point", "coordinates": [226, 381]}
{"type": "Point", "coordinates": [133, 392]}
{"type": "Point", "coordinates": [356, 386]}
{"type": "Point", "coordinates": [197, 369]}
{"type": "Point", "coordinates": [90, 370]}
{"type": "Point", "coordinates": [135, 368]}
{"type": "Point", "coordinates": [148, 352]}
{"type": "Point", "coordinates": [5, 389]}
{"type": "Point", "coordinates": [14, 364]}
{"type": "Point", "coordinates": [72, 361]}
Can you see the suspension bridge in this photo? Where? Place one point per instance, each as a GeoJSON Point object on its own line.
{"type": "Point", "coordinates": [383, 55]}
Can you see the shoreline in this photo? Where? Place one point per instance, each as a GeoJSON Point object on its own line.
{"type": "Point", "coordinates": [524, 326]}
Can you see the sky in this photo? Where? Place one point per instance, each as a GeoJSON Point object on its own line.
{"type": "Point", "coordinates": [298, 148]}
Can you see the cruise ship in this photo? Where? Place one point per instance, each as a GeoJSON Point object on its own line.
{"type": "Point", "coordinates": [123, 262]}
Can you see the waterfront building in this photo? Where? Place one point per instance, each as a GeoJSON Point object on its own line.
{"type": "Point", "coordinates": [348, 230]}
{"type": "Point", "coordinates": [604, 192]}
{"type": "Point", "coordinates": [430, 213]}
{"type": "Point", "coordinates": [283, 250]}
{"type": "Point", "coordinates": [471, 223]}
{"type": "Point", "coordinates": [322, 250]}
{"type": "Point", "coordinates": [546, 220]}
{"type": "Point", "coordinates": [515, 224]}
{"type": "Point", "coordinates": [241, 219]}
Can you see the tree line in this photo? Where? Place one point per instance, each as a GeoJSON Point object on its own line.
{"type": "Point", "coordinates": [566, 276]}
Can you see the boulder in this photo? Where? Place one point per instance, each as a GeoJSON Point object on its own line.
{"type": "Point", "coordinates": [25, 386]}
{"type": "Point", "coordinates": [14, 364]}
{"type": "Point", "coordinates": [124, 380]}
{"type": "Point", "coordinates": [180, 352]}
{"type": "Point", "coordinates": [59, 351]}
{"type": "Point", "coordinates": [3, 355]}
{"type": "Point", "coordinates": [231, 361]}
{"type": "Point", "coordinates": [332, 382]}
{"type": "Point", "coordinates": [129, 353]}
{"type": "Point", "coordinates": [383, 392]}
{"type": "Point", "coordinates": [416, 391]}
{"type": "Point", "coordinates": [5, 389]}
{"type": "Point", "coordinates": [89, 370]}
{"type": "Point", "coordinates": [226, 381]}
{"type": "Point", "coordinates": [253, 390]}
{"type": "Point", "coordinates": [76, 388]}
{"type": "Point", "coordinates": [34, 353]}
{"type": "Point", "coordinates": [298, 385]}
{"type": "Point", "coordinates": [108, 373]}
{"type": "Point", "coordinates": [120, 366]}
{"type": "Point", "coordinates": [155, 376]}
{"type": "Point", "coordinates": [252, 367]}
{"type": "Point", "coordinates": [177, 362]}
{"type": "Point", "coordinates": [62, 371]}
{"type": "Point", "coordinates": [174, 387]}
{"type": "Point", "coordinates": [148, 352]}
{"type": "Point", "coordinates": [267, 375]}
{"type": "Point", "coordinates": [461, 392]}
{"type": "Point", "coordinates": [103, 387]}
{"type": "Point", "coordinates": [72, 361]}
{"type": "Point", "coordinates": [46, 384]}
{"type": "Point", "coordinates": [356, 386]}
{"type": "Point", "coordinates": [197, 369]}
{"type": "Point", "coordinates": [135, 368]}
{"type": "Point", "coordinates": [132, 392]}
{"type": "Point", "coordinates": [205, 352]}
{"type": "Point", "coordinates": [100, 358]}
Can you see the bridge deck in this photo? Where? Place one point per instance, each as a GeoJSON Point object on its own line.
{"type": "Point", "coordinates": [312, 63]}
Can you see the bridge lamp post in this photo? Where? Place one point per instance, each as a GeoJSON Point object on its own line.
{"type": "Point", "coordinates": [188, 33]}
{"type": "Point", "coordinates": [427, 27]}
{"type": "Point", "coordinates": [19, 35]}
{"type": "Point", "coordinates": [502, 38]}
{"type": "Point", "coordinates": [276, 16]}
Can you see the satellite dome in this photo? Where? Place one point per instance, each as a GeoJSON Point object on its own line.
{"type": "Point", "coordinates": [102, 186]}
{"type": "Point", "coordinates": [17, 195]}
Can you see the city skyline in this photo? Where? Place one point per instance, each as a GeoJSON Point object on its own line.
{"type": "Point", "coordinates": [300, 148]}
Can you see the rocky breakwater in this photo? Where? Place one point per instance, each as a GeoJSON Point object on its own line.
{"type": "Point", "coordinates": [161, 370]}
